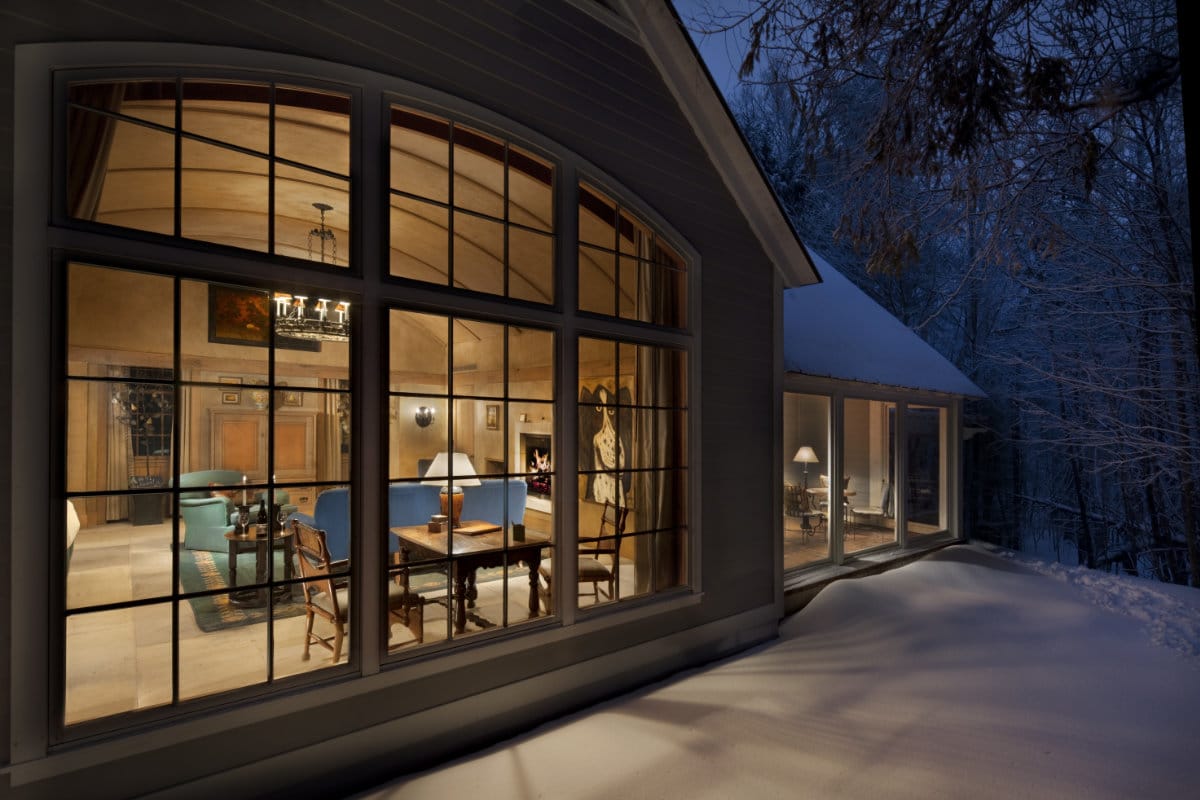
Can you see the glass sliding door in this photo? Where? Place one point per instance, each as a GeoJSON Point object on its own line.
{"type": "Point", "coordinates": [806, 449]}
{"type": "Point", "coordinates": [868, 469]}
{"type": "Point", "coordinates": [927, 500]}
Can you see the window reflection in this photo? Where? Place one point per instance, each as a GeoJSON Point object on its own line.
{"type": "Point", "coordinates": [927, 509]}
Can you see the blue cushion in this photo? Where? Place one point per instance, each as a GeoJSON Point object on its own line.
{"type": "Point", "coordinates": [486, 501]}
{"type": "Point", "coordinates": [413, 504]}
{"type": "Point", "coordinates": [332, 515]}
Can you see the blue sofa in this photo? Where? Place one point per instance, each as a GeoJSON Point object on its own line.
{"type": "Point", "coordinates": [207, 518]}
{"type": "Point", "coordinates": [414, 504]}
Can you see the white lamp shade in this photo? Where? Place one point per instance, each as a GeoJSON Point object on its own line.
{"type": "Point", "coordinates": [806, 455]}
{"type": "Point", "coordinates": [72, 523]}
{"type": "Point", "coordinates": [464, 472]}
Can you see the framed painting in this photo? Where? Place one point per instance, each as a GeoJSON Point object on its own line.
{"type": "Point", "coordinates": [493, 417]}
{"type": "Point", "coordinates": [243, 316]}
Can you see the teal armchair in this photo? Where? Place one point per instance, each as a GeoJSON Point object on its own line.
{"type": "Point", "coordinates": [206, 521]}
{"type": "Point", "coordinates": [207, 518]}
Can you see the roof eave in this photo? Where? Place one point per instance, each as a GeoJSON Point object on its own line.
{"type": "Point", "coordinates": [673, 53]}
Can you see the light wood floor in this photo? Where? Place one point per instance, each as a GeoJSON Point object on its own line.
{"type": "Point", "coordinates": [121, 660]}
{"type": "Point", "coordinates": [801, 547]}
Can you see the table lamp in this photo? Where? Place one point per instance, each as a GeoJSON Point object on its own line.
{"type": "Point", "coordinates": [806, 455]}
{"type": "Point", "coordinates": [451, 496]}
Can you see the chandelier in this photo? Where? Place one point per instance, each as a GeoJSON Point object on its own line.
{"type": "Point", "coordinates": [322, 319]}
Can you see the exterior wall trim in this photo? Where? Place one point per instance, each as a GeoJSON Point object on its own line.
{"type": "Point", "coordinates": [810, 384]}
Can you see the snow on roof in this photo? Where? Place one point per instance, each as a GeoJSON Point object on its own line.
{"type": "Point", "coordinates": [833, 329]}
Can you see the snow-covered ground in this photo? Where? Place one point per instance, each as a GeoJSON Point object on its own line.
{"type": "Point", "coordinates": [972, 673]}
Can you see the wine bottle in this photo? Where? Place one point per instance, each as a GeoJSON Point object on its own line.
{"type": "Point", "coordinates": [261, 527]}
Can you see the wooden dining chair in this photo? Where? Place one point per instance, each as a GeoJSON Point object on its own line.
{"type": "Point", "coordinates": [592, 570]}
{"type": "Point", "coordinates": [327, 595]}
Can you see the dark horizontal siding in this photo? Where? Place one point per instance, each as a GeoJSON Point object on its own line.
{"type": "Point", "coordinates": [545, 64]}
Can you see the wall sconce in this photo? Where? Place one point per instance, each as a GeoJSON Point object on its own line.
{"type": "Point", "coordinates": [424, 416]}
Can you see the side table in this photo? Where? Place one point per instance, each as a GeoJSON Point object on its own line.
{"type": "Point", "coordinates": [263, 547]}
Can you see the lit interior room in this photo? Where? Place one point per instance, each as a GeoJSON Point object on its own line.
{"type": "Point", "coordinates": [245, 391]}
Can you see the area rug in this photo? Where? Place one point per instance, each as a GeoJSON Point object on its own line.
{"type": "Point", "coordinates": [200, 571]}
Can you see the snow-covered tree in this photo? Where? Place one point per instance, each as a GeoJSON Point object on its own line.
{"type": "Point", "coordinates": [1007, 178]}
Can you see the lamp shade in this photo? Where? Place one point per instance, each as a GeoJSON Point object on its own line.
{"type": "Point", "coordinates": [443, 464]}
{"type": "Point", "coordinates": [806, 455]}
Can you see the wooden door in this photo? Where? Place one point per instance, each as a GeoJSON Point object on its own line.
{"type": "Point", "coordinates": [239, 442]}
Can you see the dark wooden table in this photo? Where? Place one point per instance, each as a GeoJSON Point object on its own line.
{"type": "Point", "coordinates": [263, 546]}
{"type": "Point", "coordinates": [474, 545]}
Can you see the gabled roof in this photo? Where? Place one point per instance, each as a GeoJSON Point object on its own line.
{"type": "Point", "coordinates": [836, 330]}
{"type": "Point", "coordinates": [673, 53]}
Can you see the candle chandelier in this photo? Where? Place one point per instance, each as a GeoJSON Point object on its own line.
{"type": "Point", "coordinates": [321, 320]}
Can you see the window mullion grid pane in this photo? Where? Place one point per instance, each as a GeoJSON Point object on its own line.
{"type": "Point", "coordinates": [177, 222]}
{"type": "Point", "coordinates": [505, 256]}
{"type": "Point", "coordinates": [451, 214]}
{"type": "Point", "coordinates": [176, 448]}
{"type": "Point", "coordinates": [616, 265]}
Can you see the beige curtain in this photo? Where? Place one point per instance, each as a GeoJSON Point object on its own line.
{"type": "Point", "coordinates": [329, 435]}
{"type": "Point", "coordinates": [183, 418]}
{"type": "Point", "coordinates": [654, 492]}
{"type": "Point", "coordinates": [119, 447]}
{"type": "Point", "coordinates": [90, 135]}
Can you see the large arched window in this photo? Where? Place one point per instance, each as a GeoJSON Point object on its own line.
{"type": "Point", "coordinates": [214, 335]}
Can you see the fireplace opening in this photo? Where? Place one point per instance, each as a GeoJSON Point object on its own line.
{"type": "Point", "coordinates": [536, 447]}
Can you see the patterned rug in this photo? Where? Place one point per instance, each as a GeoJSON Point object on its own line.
{"type": "Point", "coordinates": [200, 570]}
